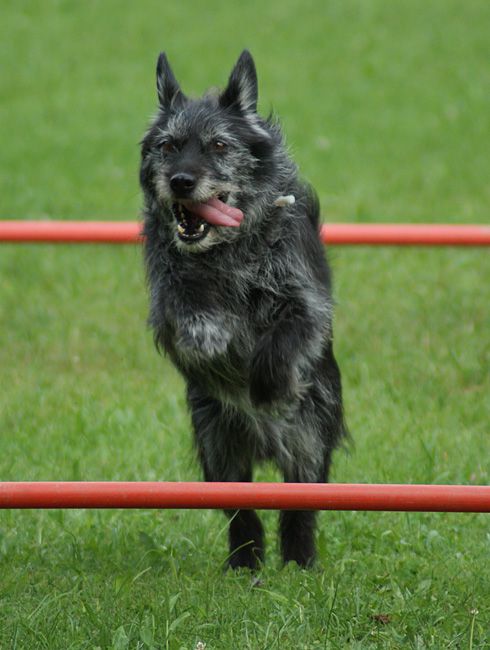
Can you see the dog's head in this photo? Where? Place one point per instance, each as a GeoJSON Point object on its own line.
{"type": "Point", "coordinates": [204, 160]}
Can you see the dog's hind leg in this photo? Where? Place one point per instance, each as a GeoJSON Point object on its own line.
{"type": "Point", "coordinates": [245, 532]}
{"type": "Point", "coordinates": [222, 442]}
{"type": "Point", "coordinates": [322, 428]}
{"type": "Point", "coordinates": [297, 527]}
{"type": "Point", "coordinates": [246, 537]}
{"type": "Point", "coordinates": [298, 536]}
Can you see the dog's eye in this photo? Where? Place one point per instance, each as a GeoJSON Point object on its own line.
{"type": "Point", "coordinates": [169, 147]}
{"type": "Point", "coordinates": [219, 145]}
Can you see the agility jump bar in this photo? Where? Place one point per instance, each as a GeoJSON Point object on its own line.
{"type": "Point", "coordinates": [269, 496]}
{"type": "Point", "coordinates": [129, 232]}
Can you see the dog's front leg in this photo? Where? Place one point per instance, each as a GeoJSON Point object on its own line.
{"type": "Point", "coordinates": [204, 334]}
{"type": "Point", "coordinates": [292, 343]}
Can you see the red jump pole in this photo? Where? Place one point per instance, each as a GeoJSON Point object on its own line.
{"type": "Point", "coordinates": [71, 232]}
{"type": "Point", "coordinates": [272, 496]}
{"type": "Point", "coordinates": [126, 232]}
{"type": "Point", "coordinates": [403, 234]}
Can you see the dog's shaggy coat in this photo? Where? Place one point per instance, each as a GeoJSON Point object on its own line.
{"type": "Point", "coordinates": [244, 312]}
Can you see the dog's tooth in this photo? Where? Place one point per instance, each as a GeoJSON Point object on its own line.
{"type": "Point", "coordinates": [200, 229]}
{"type": "Point", "coordinates": [180, 229]}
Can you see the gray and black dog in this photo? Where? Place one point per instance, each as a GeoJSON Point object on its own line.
{"type": "Point", "coordinates": [240, 296]}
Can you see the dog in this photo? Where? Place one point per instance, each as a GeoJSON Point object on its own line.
{"type": "Point", "coordinates": [240, 296]}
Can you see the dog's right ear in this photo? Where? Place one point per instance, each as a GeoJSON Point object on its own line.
{"type": "Point", "coordinates": [169, 92]}
{"type": "Point", "coordinates": [241, 91]}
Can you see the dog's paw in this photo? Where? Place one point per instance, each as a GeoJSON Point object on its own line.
{"type": "Point", "coordinates": [203, 337]}
{"type": "Point", "coordinates": [273, 381]}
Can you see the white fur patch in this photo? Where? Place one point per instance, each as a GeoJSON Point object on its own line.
{"type": "Point", "coordinates": [284, 201]}
{"type": "Point", "coordinates": [203, 336]}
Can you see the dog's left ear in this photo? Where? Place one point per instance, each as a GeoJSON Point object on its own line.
{"type": "Point", "coordinates": [242, 91]}
{"type": "Point", "coordinates": [169, 93]}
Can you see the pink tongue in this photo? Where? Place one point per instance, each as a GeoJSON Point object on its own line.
{"type": "Point", "coordinates": [216, 212]}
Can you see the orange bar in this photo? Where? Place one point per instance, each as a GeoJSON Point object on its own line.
{"type": "Point", "coordinates": [272, 496]}
{"type": "Point", "coordinates": [126, 232]}
{"type": "Point", "coordinates": [404, 234]}
{"type": "Point", "coordinates": [71, 232]}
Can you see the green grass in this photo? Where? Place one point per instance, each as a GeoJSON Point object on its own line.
{"type": "Point", "coordinates": [385, 105]}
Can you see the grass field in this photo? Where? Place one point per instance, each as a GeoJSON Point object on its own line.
{"type": "Point", "coordinates": [385, 105]}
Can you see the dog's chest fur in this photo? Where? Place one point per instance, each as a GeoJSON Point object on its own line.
{"type": "Point", "coordinates": [227, 300]}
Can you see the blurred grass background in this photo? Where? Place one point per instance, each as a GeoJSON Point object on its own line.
{"type": "Point", "coordinates": [385, 108]}
{"type": "Point", "coordinates": [367, 91]}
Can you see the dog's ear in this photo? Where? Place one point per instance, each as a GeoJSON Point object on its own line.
{"type": "Point", "coordinates": [241, 91]}
{"type": "Point", "coordinates": [169, 92]}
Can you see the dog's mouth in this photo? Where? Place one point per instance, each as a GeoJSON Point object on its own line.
{"type": "Point", "coordinates": [190, 227]}
{"type": "Point", "coordinates": [194, 219]}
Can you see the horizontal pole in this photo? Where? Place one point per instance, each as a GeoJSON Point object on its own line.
{"type": "Point", "coordinates": [129, 232]}
{"type": "Point", "coordinates": [271, 496]}
{"type": "Point", "coordinates": [405, 234]}
{"type": "Point", "coordinates": [71, 232]}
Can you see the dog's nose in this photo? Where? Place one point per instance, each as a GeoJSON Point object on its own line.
{"type": "Point", "coordinates": [182, 184]}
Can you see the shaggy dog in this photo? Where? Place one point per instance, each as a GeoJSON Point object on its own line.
{"type": "Point", "coordinates": [240, 296]}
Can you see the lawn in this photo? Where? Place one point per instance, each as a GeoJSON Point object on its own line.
{"type": "Point", "coordinates": [385, 105]}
